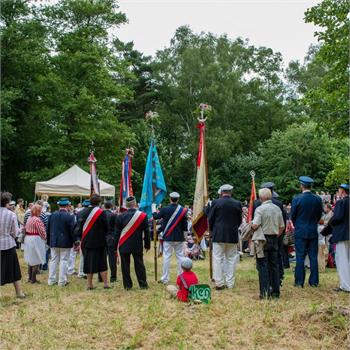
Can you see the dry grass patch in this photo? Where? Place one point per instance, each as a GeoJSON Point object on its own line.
{"type": "Point", "coordinates": [73, 318]}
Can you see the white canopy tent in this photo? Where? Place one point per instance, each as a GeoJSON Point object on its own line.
{"type": "Point", "coordinates": [74, 182]}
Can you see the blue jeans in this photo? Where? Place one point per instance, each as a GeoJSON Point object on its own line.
{"type": "Point", "coordinates": [268, 269]}
{"type": "Point", "coordinates": [303, 247]}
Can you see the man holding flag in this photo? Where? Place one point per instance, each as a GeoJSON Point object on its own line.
{"type": "Point", "coordinates": [282, 250]}
{"type": "Point", "coordinates": [90, 233]}
{"type": "Point", "coordinates": [131, 229]}
{"type": "Point", "coordinates": [174, 226]}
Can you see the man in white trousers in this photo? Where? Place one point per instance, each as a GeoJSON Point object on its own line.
{"type": "Point", "coordinates": [71, 264]}
{"type": "Point", "coordinates": [225, 217]}
{"type": "Point", "coordinates": [174, 226]}
{"type": "Point", "coordinates": [73, 253]}
{"type": "Point", "coordinates": [60, 239]}
{"type": "Point", "coordinates": [340, 236]}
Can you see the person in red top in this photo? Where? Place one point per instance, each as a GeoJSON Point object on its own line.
{"type": "Point", "coordinates": [34, 243]}
{"type": "Point", "coordinates": [186, 279]}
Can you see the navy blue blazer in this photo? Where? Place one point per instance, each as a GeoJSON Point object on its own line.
{"type": "Point", "coordinates": [177, 235]}
{"type": "Point", "coordinates": [225, 217]}
{"type": "Point", "coordinates": [134, 243]}
{"type": "Point", "coordinates": [305, 214]}
{"type": "Point", "coordinates": [60, 229]}
{"type": "Point", "coordinates": [340, 221]}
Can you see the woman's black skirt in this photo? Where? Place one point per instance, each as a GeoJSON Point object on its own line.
{"type": "Point", "coordinates": [95, 260]}
{"type": "Point", "coordinates": [10, 269]}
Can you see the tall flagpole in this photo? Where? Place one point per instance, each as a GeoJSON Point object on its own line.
{"type": "Point", "coordinates": [94, 183]}
{"type": "Point", "coordinates": [252, 197]}
{"type": "Point", "coordinates": [200, 222]}
{"type": "Point", "coordinates": [151, 115]}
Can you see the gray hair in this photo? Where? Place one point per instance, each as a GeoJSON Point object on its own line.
{"type": "Point", "coordinates": [265, 194]}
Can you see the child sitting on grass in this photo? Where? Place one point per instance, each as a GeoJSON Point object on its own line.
{"type": "Point", "coordinates": [183, 282]}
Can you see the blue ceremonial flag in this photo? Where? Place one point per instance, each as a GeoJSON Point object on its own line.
{"type": "Point", "coordinates": [154, 188]}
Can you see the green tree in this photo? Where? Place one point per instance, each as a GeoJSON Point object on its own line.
{"type": "Point", "coordinates": [64, 82]}
{"type": "Point", "coordinates": [243, 85]}
{"type": "Point", "coordinates": [328, 101]}
{"type": "Point", "coordinates": [301, 150]}
{"type": "Point", "coordinates": [24, 68]}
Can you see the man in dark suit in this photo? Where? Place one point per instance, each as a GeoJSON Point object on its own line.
{"type": "Point", "coordinates": [283, 260]}
{"type": "Point", "coordinates": [340, 236]}
{"type": "Point", "coordinates": [174, 226]}
{"type": "Point", "coordinates": [131, 231]}
{"type": "Point", "coordinates": [60, 240]}
{"type": "Point", "coordinates": [90, 233]}
{"type": "Point", "coordinates": [225, 217]}
{"type": "Point", "coordinates": [306, 213]}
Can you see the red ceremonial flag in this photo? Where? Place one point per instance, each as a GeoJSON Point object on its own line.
{"type": "Point", "coordinates": [200, 221]}
{"type": "Point", "coordinates": [125, 182]}
{"type": "Point", "coordinates": [251, 201]}
{"type": "Point", "coordinates": [94, 185]}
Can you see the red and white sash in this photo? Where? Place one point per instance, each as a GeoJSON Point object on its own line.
{"type": "Point", "coordinates": [91, 219]}
{"type": "Point", "coordinates": [131, 227]}
{"type": "Point", "coordinates": [177, 216]}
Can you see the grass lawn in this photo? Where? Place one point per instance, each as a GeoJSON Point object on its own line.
{"type": "Point", "coordinates": [73, 318]}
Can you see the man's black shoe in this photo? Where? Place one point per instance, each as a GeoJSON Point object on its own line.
{"type": "Point", "coordinates": [220, 288]}
{"type": "Point", "coordinates": [340, 290]}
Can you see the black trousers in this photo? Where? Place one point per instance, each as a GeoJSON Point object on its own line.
{"type": "Point", "coordinates": [112, 261]}
{"type": "Point", "coordinates": [268, 268]}
{"type": "Point", "coordinates": [283, 250]}
{"type": "Point", "coordinates": [140, 269]}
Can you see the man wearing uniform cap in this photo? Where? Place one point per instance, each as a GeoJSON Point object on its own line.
{"type": "Point", "coordinates": [60, 240]}
{"type": "Point", "coordinates": [132, 230]}
{"type": "Point", "coordinates": [90, 234]}
{"type": "Point", "coordinates": [283, 260]}
{"type": "Point", "coordinates": [306, 213]}
{"type": "Point", "coordinates": [174, 226]}
{"type": "Point", "coordinates": [340, 236]}
{"type": "Point", "coordinates": [225, 217]}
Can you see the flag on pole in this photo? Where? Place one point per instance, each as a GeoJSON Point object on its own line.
{"type": "Point", "coordinates": [94, 185]}
{"type": "Point", "coordinates": [200, 221]}
{"type": "Point", "coordinates": [125, 182]}
{"type": "Point", "coordinates": [154, 188]}
{"type": "Point", "coordinates": [252, 198]}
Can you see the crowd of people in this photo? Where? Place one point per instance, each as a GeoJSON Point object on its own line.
{"type": "Point", "coordinates": [314, 226]}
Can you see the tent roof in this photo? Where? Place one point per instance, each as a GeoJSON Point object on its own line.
{"type": "Point", "coordinates": [72, 182]}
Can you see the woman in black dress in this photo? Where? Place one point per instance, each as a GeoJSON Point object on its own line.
{"type": "Point", "coordinates": [10, 269]}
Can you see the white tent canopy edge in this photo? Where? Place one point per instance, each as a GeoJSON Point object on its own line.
{"type": "Point", "coordinates": [73, 182]}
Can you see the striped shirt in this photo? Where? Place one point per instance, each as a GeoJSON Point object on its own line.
{"type": "Point", "coordinates": [43, 217]}
{"type": "Point", "coordinates": [8, 229]}
{"type": "Point", "coordinates": [35, 225]}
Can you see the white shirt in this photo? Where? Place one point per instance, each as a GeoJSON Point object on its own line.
{"type": "Point", "coordinates": [269, 216]}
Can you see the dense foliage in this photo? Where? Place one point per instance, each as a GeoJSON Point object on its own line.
{"type": "Point", "coordinates": [67, 80]}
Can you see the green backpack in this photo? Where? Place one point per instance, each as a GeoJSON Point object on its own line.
{"type": "Point", "coordinates": [200, 293]}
